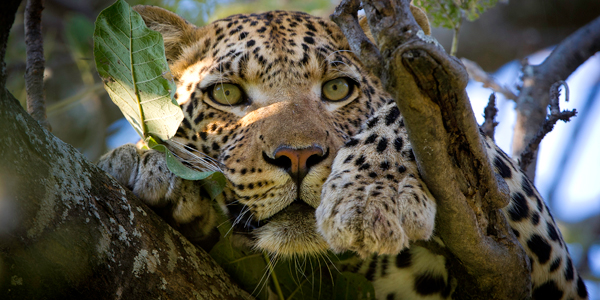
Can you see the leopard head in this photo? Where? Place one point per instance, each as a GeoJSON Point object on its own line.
{"type": "Point", "coordinates": [272, 97]}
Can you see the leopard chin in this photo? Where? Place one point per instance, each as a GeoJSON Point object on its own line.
{"type": "Point", "coordinates": [291, 232]}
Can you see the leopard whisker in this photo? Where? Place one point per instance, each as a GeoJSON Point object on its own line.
{"type": "Point", "coordinates": [203, 160]}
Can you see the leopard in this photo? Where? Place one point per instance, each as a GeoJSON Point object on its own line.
{"type": "Point", "coordinates": [316, 157]}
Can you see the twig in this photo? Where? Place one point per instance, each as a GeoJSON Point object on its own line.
{"type": "Point", "coordinates": [533, 99]}
{"type": "Point", "coordinates": [489, 113]}
{"type": "Point", "coordinates": [554, 116]}
{"type": "Point", "coordinates": [346, 17]}
{"type": "Point", "coordinates": [34, 73]}
{"type": "Point", "coordinates": [478, 74]}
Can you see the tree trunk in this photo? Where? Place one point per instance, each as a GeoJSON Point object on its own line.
{"type": "Point", "coordinates": [69, 231]}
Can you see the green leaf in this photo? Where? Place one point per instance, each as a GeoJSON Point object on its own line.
{"type": "Point", "coordinates": [449, 13]}
{"type": "Point", "coordinates": [213, 182]}
{"type": "Point", "coordinates": [130, 58]}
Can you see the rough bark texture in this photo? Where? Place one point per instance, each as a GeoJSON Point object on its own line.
{"type": "Point", "coordinates": [34, 74]}
{"type": "Point", "coordinates": [69, 231]}
{"type": "Point", "coordinates": [429, 87]}
{"type": "Point", "coordinates": [534, 97]}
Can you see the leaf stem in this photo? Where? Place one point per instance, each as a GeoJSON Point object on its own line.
{"type": "Point", "coordinates": [273, 276]}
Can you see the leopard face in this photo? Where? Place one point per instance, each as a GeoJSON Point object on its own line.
{"type": "Point", "coordinates": [272, 97]}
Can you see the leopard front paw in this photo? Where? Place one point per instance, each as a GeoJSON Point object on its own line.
{"type": "Point", "coordinates": [361, 217]}
{"type": "Point", "coordinates": [374, 216]}
{"type": "Point", "coordinates": [182, 203]}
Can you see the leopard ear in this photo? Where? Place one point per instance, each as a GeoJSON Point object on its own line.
{"type": "Point", "coordinates": [418, 14]}
{"type": "Point", "coordinates": [176, 31]}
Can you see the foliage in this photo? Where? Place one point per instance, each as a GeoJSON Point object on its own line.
{"type": "Point", "coordinates": [131, 62]}
{"type": "Point", "coordinates": [449, 13]}
{"type": "Point", "coordinates": [130, 59]}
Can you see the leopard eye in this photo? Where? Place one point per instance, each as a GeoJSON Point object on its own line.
{"type": "Point", "coordinates": [337, 89]}
{"type": "Point", "coordinates": [227, 94]}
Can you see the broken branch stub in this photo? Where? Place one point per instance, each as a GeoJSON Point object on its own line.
{"type": "Point", "coordinates": [489, 114]}
{"type": "Point", "coordinates": [429, 88]}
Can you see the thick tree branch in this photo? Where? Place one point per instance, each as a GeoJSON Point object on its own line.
{"type": "Point", "coordinates": [34, 72]}
{"type": "Point", "coordinates": [429, 87]}
{"type": "Point", "coordinates": [70, 231]}
{"type": "Point", "coordinates": [537, 80]}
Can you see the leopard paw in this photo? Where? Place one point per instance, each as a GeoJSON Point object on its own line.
{"type": "Point", "coordinates": [374, 201]}
{"type": "Point", "coordinates": [182, 203]}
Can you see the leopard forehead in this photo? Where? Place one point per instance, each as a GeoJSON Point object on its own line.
{"type": "Point", "coordinates": [270, 47]}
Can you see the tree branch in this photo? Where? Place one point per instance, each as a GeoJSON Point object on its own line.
{"type": "Point", "coordinates": [34, 73]}
{"type": "Point", "coordinates": [489, 114]}
{"type": "Point", "coordinates": [534, 99]}
{"type": "Point", "coordinates": [346, 13]}
{"type": "Point", "coordinates": [554, 116]}
{"type": "Point", "coordinates": [478, 74]}
{"type": "Point", "coordinates": [69, 230]}
{"type": "Point", "coordinates": [429, 88]}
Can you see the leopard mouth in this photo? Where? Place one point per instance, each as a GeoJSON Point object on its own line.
{"type": "Point", "coordinates": [292, 231]}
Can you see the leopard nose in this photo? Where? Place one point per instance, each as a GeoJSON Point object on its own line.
{"type": "Point", "coordinates": [297, 162]}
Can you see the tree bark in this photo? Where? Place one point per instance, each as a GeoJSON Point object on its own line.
{"type": "Point", "coordinates": [69, 231]}
{"type": "Point", "coordinates": [429, 88]}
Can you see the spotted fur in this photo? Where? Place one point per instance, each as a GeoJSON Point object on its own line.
{"type": "Point", "coordinates": [306, 174]}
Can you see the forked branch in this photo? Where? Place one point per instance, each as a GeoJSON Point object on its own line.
{"type": "Point", "coordinates": [537, 80]}
{"type": "Point", "coordinates": [429, 88]}
{"type": "Point", "coordinates": [554, 116]}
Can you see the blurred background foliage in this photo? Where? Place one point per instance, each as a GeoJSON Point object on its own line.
{"type": "Point", "coordinates": [81, 113]}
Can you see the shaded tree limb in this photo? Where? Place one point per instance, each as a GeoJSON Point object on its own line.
{"type": "Point", "coordinates": [69, 231]}
{"type": "Point", "coordinates": [489, 114]}
{"type": "Point", "coordinates": [429, 88]}
{"type": "Point", "coordinates": [537, 80]}
{"type": "Point", "coordinates": [34, 71]}
{"type": "Point", "coordinates": [554, 116]}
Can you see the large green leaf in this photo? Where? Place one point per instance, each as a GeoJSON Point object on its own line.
{"type": "Point", "coordinates": [131, 61]}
